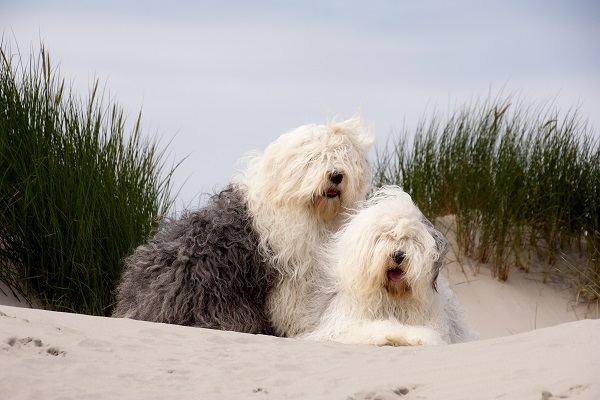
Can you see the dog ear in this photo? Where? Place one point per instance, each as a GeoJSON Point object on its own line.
{"type": "Point", "coordinates": [442, 246]}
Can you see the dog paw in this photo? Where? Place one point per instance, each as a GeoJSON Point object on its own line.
{"type": "Point", "coordinates": [415, 336]}
{"type": "Point", "coordinates": [428, 336]}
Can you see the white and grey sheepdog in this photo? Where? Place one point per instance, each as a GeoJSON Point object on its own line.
{"type": "Point", "coordinates": [243, 262]}
{"type": "Point", "coordinates": [380, 280]}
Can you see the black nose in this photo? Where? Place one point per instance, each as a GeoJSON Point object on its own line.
{"type": "Point", "coordinates": [398, 257]}
{"type": "Point", "coordinates": [336, 177]}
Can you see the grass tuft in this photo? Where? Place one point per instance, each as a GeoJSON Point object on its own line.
{"type": "Point", "coordinates": [78, 190]}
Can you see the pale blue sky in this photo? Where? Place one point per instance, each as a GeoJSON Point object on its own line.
{"type": "Point", "coordinates": [218, 79]}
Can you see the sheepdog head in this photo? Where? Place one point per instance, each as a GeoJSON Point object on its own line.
{"type": "Point", "coordinates": [389, 254]}
{"type": "Point", "coordinates": [314, 172]}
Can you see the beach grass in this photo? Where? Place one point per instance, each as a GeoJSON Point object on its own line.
{"type": "Point", "coordinates": [520, 179]}
{"type": "Point", "coordinates": [79, 187]}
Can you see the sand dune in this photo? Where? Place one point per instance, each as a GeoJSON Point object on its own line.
{"type": "Point", "coordinates": [51, 355]}
{"type": "Point", "coordinates": [534, 345]}
{"type": "Point", "coordinates": [522, 304]}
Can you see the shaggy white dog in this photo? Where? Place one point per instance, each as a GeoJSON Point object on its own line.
{"type": "Point", "coordinates": [381, 283]}
{"type": "Point", "coordinates": [299, 191]}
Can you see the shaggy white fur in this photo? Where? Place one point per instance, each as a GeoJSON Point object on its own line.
{"type": "Point", "coordinates": [299, 191]}
{"type": "Point", "coordinates": [380, 281]}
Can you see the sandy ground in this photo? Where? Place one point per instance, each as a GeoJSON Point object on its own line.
{"type": "Point", "coordinates": [521, 304]}
{"type": "Point", "coordinates": [534, 345]}
{"type": "Point", "coordinates": [50, 355]}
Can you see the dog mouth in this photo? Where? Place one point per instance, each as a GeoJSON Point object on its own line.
{"type": "Point", "coordinates": [332, 193]}
{"type": "Point", "coordinates": [395, 274]}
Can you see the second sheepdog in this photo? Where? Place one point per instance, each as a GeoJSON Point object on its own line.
{"type": "Point", "coordinates": [242, 263]}
{"type": "Point", "coordinates": [381, 281]}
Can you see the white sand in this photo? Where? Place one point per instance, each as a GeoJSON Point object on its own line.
{"type": "Point", "coordinates": [50, 355]}
{"type": "Point", "coordinates": [532, 347]}
{"type": "Point", "coordinates": [521, 304]}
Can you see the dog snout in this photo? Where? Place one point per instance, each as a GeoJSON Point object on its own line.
{"type": "Point", "coordinates": [336, 177]}
{"type": "Point", "coordinates": [398, 257]}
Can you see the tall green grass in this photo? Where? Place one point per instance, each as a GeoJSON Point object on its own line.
{"type": "Point", "coordinates": [78, 189]}
{"type": "Point", "coordinates": [519, 178]}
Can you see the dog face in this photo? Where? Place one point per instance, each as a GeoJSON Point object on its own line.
{"type": "Point", "coordinates": [389, 249]}
{"type": "Point", "coordinates": [400, 265]}
{"type": "Point", "coordinates": [322, 168]}
{"type": "Point", "coordinates": [396, 282]}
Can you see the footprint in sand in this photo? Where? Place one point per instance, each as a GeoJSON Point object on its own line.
{"type": "Point", "coordinates": [388, 393]}
{"type": "Point", "coordinates": [33, 345]}
{"type": "Point", "coordinates": [572, 390]}
{"type": "Point", "coordinates": [97, 345]}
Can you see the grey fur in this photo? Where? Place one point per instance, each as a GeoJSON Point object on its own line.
{"type": "Point", "coordinates": [442, 246]}
{"type": "Point", "coordinates": [459, 329]}
{"type": "Point", "coordinates": [203, 269]}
